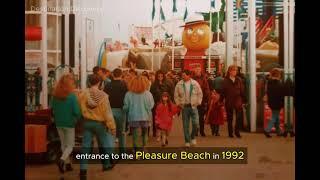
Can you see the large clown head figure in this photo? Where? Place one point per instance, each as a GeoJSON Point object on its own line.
{"type": "Point", "coordinates": [196, 33]}
{"type": "Point", "coordinates": [195, 38]}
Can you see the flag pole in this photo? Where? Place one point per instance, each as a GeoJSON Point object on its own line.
{"type": "Point", "coordinates": [210, 39]}
{"type": "Point", "coordinates": [159, 33]}
{"type": "Point", "coordinates": [172, 60]}
{"type": "Point", "coordinates": [152, 45]}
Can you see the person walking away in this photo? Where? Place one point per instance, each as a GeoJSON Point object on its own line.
{"type": "Point", "coordinates": [218, 82]}
{"type": "Point", "coordinates": [215, 112]}
{"type": "Point", "coordinates": [165, 111]}
{"type": "Point", "coordinates": [201, 78]}
{"type": "Point", "coordinates": [116, 90]}
{"type": "Point", "coordinates": [138, 104]}
{"type": "Point", "coordinates": [146, 74]}
{"type": "Point", "coordinates": [188, 95]}
{"type": "Point", "coordinates": [105, 77]}
{"type": "Point", "coordinates": [131, 75]}
{"type": "Point", "coordinates": [233, 93]}
{"type": "Point", "coordinates": [98, 122]}
{"type": "Point", "coordinates": [97, 71]}
{"type": "Point", "coordinates": [159, 86]}
{"type": "Point", "coordinates": [275, 96]}
{"type": "Point", "coordinates": [66, 112]}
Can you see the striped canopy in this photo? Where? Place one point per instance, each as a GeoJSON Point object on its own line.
{"type": "Point", "coordinates": [242, 12]}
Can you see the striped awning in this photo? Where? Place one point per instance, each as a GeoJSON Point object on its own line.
{"type": "Point", "coordinates": [242, 13]}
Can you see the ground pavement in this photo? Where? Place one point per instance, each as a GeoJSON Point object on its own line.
{"type": "Point", "coordinates": [268, 159]}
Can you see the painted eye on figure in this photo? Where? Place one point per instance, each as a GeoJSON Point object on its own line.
{"type": "Point", "coordinates": [190, 31]}
{"type": "Point", "coordinates": [200, 31]}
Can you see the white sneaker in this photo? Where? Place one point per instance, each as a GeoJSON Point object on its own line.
{"type": "Point", "coordinates": [193, 142]}
{"type": "Point", "coordinates": [187, 144]}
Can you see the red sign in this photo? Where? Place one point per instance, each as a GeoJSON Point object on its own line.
{"type": "Point", "coordinates": [33, 33]}
{"type": "Point", "coordinates": [190, 64]}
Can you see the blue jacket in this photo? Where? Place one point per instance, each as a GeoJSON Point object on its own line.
{"type": "Point", "coordinates": [138, 106]}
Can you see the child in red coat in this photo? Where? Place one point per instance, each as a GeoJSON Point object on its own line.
{"type": "Point", "coordinates": [215, 112]}
{"type": "Point", "coordinates": [164, 115]}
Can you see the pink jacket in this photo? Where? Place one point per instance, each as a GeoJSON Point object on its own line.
{"type": "Point", "coordinates": [163, 118]}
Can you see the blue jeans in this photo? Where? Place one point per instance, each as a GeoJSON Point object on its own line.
{"type": "Point", "coordinates": [274, 121]}
{"type": "Point", "coordinates": [120, 119]}
{"type": "Point", "coordinates": [187, 114]}
{"type": "Point", "coordinates": [105, 141]}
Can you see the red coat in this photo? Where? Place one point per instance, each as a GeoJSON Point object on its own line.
{"type": "Point", "coordinates": [163, 118]}
{"type": "Point", "coordinates": [215, 114]}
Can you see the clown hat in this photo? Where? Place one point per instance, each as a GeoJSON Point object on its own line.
{"type": "Point", "coordinates": [195, 19]}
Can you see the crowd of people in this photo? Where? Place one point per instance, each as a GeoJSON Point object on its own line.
{"type": "Point", "coordinates": [120, 102]}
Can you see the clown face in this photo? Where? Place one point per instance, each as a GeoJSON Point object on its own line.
{"type": "Point", "coordinates": [196, 37]}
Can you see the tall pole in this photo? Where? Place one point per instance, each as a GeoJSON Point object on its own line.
{"type": "Point", "coordinates": [160, 26]}
{"type": "Point", "coordinates": [44, 69]}
{"type": "Point", "coordinates": [291, 52]}
{"type": "Point", "coordinates": [152, 50]}
{"type": "Point", "coordinates": [83, 61]}
{"type": "Point", "coordinates": [210, 39]}
{"type": "Point", "coordinates": [172, 59]}
{"type": "Point", "coordinates": [252, 63]}
{"type": "Point", "coordinates": [286, 55]}
{"type": "Point", "coordinates": [229, 40]}
{"type": "Point", "coordinates": [66, 30]}
{"type": "Point", "coordinates": [218, 25]}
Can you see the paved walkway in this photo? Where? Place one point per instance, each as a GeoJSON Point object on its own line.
{"type": "Point", "coordinates": [268, 159]}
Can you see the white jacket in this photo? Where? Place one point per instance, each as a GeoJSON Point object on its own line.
{"type": "Point", "coordinates": [180, 95]}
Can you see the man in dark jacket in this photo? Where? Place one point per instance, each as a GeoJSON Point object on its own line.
{"type": "Point", "coordinates": [201, 78]}
{"type": "Point", "coordinates": [275, 93]}
{"type": "Point", "coordinates": [116, 90]}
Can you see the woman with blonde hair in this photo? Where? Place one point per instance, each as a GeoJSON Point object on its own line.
{"type": "Point", "coordinates": [138, 104]}
{"type": "Point", "coordinates": [66, 112]}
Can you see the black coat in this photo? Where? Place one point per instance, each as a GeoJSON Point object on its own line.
{"type": "Point", "coordinates": [276, 92]}
{"type": "Point", "coordinates": [157, 89]}
{"type": "Point", "coordinates": [116, 90]}
{"type": "Point", "coordinates": [233, 92]}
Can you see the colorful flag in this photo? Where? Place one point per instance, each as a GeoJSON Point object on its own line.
{"type": "Point", "coordinates": [213, 4]}
{"type": "Point", "coordinates": [153, 10]}
{"type": "Point", "coordinates": [174, 8]}
{"type": "Point", "coordinates": [163, 18]}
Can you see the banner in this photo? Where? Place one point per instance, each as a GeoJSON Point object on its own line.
{"type": "Point", "coordinates": [145, 32]}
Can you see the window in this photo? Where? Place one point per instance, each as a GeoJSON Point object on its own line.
{"type": "Point", "coordinates": [32, 5]}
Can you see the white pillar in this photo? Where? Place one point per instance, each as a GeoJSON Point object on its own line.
{"type": "Point", "coordinates": [83, 61]}
{"type": "Point", "coordinates": [66, 5]}
{"type": "Point", "coordinates": [291, 52]}
{"type": "Point", "coordinates": [152, 50]}
{"type": "Point", "coordinates": [229, 39]}
{"type": "Point", "coordinates": [160, 26]}
{"type": "Point", "coordinates": [285, 51]}
{"type": "Point", "coordinates": [173, 25]}
{"type": "Point", "coordinates": [44, 69]}
{"type": "Point", "coordinates": [218, 26]}
{"type": "Point", "coordinates": [210, 40]}
{"type": "Point", "coordinates": [252, 64]}
{"type": "Point", "coordinates": [76, 5]}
